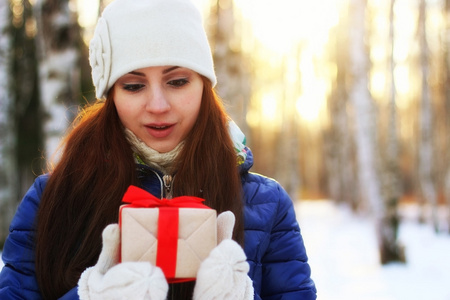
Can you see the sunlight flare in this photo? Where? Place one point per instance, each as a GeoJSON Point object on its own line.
{"type": "Point", "coordinates": [269, 107]}
{"type": "Point", "coordinates": [279, 25]}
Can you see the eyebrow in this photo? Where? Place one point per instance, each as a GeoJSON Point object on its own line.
{"type": "Point", "coordinates": [165, 71]}
{"type": "Point", "coordinates": [168, 70]}
{"type": "Point", "coordinates": [137, 73]}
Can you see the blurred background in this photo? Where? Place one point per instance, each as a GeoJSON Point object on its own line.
{"type": "Point", "coordinates": [345, 102]}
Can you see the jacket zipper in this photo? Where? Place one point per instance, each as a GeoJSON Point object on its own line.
{"type": "Point", "coordinates": [168, 182]}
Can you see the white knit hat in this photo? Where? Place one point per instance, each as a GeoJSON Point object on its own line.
{"type": "Point", "coordinates": [134, 34]}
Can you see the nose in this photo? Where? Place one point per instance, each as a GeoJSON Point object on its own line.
{"type": "Point", "coordinates": [157, 101]}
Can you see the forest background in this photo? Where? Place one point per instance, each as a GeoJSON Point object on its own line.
{"type": "Point", "coordinates": [346, 100]}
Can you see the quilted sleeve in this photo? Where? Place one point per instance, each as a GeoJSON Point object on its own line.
{"type": "Point", "coordinates": [17, 277]}
{"type": "Point", "coordinates": [286, 272]}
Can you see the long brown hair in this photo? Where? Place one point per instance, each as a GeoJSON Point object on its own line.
{"type": "Point", "coordinates": [84, 192]}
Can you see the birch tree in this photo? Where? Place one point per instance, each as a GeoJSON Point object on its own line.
{"type": "Point", "coordinates": [390, 172]}
{"type": "Point", "coordinates": [8, 168]}
{"type": "Point", "coordinates": [58, 35]}
{"type": "Point", "coordinates": [364, 109]}
{"type": "Point", "coordinates": [366, 135]}
{"type": "Point", "coordinates": [425, 167]}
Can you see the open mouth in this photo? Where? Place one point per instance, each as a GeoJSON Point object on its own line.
{"type": "Point", "coordinates": [160, 130]}
{"type": "Point", "coordinates": [159, 127]}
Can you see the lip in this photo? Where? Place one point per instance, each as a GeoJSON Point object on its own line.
{"type": "Point", "coordinates": [160, 130]}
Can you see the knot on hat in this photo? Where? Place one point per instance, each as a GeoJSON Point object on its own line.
{"type": "Point", "coordinates": [100, 58]}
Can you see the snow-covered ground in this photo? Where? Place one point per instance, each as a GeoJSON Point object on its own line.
{"type": "Point", "coordinates": [344, 260]}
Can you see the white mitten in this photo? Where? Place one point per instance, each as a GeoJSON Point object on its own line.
{"type": "Point", "coordinates": [129, 280]}
{"type": "Point", "coordinates": [223, 274]}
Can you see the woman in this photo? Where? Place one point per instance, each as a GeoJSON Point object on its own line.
{"type": "Point", "coordinates": [159, 125]}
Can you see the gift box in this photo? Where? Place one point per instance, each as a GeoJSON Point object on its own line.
{"type": "Point", "coordinates": [175, 235]}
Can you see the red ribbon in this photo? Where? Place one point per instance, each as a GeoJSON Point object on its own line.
{"type": "Point", "coordinates": [166, 256]}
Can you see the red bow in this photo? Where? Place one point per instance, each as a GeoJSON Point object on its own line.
{"type": "Point", "coordinates": [138, 197]}
{"type": "Point", "coordinates": [166, 255]}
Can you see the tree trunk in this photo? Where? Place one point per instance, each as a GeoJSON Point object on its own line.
{"type": "Point", "coordinates": [8, 136]}
{"type": "Point", "coordinates": [426, 163]}
{"type": "Point", "coordinates": [338, 139]}
{"type": "Point", "coordinates": [366, 137]}
{"type": "Point", "coordinates": [57, 42]}
{"type": "Point", "coordinates": [233, 79]}
{"type": "Point", "coordinates": [364, 109]}
{"type": "Point", "coordinates": [288, 141]}
{"type": "Point", "coordinates": [391, 172]}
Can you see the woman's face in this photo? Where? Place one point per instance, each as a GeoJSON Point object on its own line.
{"type": "Point", "coordinates": [159, 104]}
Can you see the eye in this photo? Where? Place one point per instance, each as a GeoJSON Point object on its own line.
{"type": "Point", "coordinates": [178, 82]}
{"type": "Point", "coordinates": [133, 87]}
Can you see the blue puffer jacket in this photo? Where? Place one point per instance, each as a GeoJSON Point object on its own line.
{"type": "Point", "coordinates": [273, 243]}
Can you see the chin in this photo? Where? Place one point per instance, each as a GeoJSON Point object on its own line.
{"type": "Point", "coordinates": [164, 149]}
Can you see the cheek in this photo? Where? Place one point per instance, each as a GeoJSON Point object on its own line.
{"type": "Point", "coordinates": [194, 101]}
{"type": "Point", "coordinates": [124, 111]}
{"type": "Point", "coordinates": [193, 108]}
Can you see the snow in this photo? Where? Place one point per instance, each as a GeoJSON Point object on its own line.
{"type": "Point", "coordinates": [344, 259]}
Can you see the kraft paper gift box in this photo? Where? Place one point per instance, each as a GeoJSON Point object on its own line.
{"type": "Point", "coordinates": [179, 249]}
